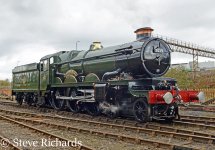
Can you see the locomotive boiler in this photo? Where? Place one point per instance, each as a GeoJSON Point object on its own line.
{"type": "Point", "coordinates": [122, 80]}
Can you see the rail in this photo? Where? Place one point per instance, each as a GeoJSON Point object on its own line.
{"type": "Point", "coordinates": [82, 147]}
{"type": "Point", "coordinates": [146, 128]}
{"type": "Point", "coordinates": [121, 137]}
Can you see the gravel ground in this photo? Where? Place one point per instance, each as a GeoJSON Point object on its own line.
{"type": "Point", "coordinates": [162, 138]}
{"type": "Point", "coordinates": [193, 128]}
{"type": "Point", "coordinates": [103, 143]}
{"type": "Point", "coordinates": [24, 138]}
{"type": "Point", "coordinates": [90, 140]}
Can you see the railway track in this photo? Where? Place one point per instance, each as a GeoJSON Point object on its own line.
{"type": "Point", "coordinates": [192, 121]}
{"type": "Point", "coordinates": [210, 101]}
{"type": "Point", "coordinates": [5, 143]}
{"type": "Point", "coordinates": [180, 134]}
{"type": "Point", "coordinates": [198, 119]}
{"type": "Point", "coordinates": [187, 121]}
{"type": "Point", "coordinates": [204, 118]}
{"type": "Point", "coordinates": [36, 130]}
{"type": "Point", "coordinates": [136, 140]}
{"type": "Point", "coordinates": [193, 107]}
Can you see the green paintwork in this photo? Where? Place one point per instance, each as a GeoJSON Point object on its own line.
{"type": "Point", "coordinates": [89, 66]}
{"type": "Point", "coordinates": [98, 61]}
{"type": "Point", "coordinates": [26, 78]}
{"type": "Point", "coordinates": [58, 80]}
{"type": "Point", "coordinates": [139, 58]}
{"type": "Point", "coordinates": [139, 93]}
{"type": "Point", "coordinates": [91, 78]}
{"type": "Point", "coordinates": [64, 68]}
{"type": "Point", "coordinates": [70, 76]}
{"type": "Point", "coordinates": [43, 80]}
{"type": "Point", "coordinates": [44, 74]}
{"type": "Point", "coordinates": [70, 79]}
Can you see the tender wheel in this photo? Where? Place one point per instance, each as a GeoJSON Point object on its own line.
{"type": "Point", "coordinates": [34, 99]}
{"type": "Point", "coordinates": [41, 102]}
{"type": "Point", "coordinates": [57, 104]}
{"type": "Point", "coordinates": [93, 109]}
{"type": "Point", "coordinates": [72, 104]}
{"type": "Point", "coordinates": [19, 99]}
{"type": "Point", "coordinates": [140, 110]}
{"type": "Point", "coordinates": [29, 99]}
{"type": "Point", "coordinates": [49, 100]}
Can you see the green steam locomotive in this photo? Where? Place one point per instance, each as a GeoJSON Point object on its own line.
{"type": "Point", "coordinates": [122, 80]}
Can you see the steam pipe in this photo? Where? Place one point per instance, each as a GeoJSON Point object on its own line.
{"type": "Point", "coordinates": [110, 74]}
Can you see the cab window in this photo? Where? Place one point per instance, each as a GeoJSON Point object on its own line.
{"type": "Point", "coordinates": [51, 60]}
{"type": "Point", "coordinates": [45, 65]}
{"type": "Point", "coordinates": [41, 66]}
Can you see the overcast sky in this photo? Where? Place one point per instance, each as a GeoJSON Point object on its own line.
{"type": "Point", "coordinates": [30, 29]}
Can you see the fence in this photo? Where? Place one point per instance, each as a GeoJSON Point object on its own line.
{"type": "Point", "coordinates": [209, 93]}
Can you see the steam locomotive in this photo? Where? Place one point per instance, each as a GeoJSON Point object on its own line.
{"type": "Point", "coordinates": [122, 80]}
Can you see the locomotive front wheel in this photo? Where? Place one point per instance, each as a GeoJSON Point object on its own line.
{"type": "Point", "coordinates": [93, 109]}
{"type": "Point", "coordinates": [57, 104]}
{"type": "Point", "coordinates": [140, 110]}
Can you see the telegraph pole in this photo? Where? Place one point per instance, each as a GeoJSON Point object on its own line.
{"type": "Point", "coordinates": [76, 45]}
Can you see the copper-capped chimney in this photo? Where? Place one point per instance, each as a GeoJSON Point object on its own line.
{"type": "Point", "coordinates": [143, 32]}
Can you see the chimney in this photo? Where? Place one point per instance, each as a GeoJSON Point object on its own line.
{"type": "Point", "coordinates": [143, 32]}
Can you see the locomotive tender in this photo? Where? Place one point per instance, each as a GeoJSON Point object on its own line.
{"type": "Point", "coordinates": [119, 80]}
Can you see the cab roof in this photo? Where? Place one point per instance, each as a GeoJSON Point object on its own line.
{"type": "Point", "coordinates": [52, 55]}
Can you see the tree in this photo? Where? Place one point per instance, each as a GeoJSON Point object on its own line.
{"type": "Point", "coordinates": [5, 83]}
{"type": "Point", "coordinates": [204, 79]}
